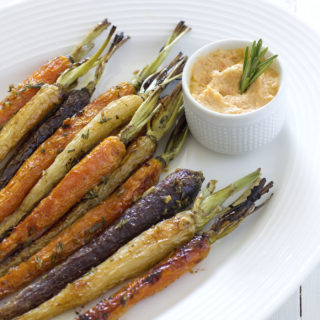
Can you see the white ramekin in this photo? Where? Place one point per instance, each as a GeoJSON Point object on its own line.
{"type": "Point", "coordinates": [233, 133]}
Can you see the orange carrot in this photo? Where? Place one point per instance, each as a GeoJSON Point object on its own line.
{"type": "Point", "coordinates": [80, 179]}
{"type": "Point", "coordinates": [19, 96]}
{"type": "Point", "coordinates": [84, 229]}
{"type": "Point", "coordinates": [30, 172]}
{"type": "Point", "coordinates": [153, 281]}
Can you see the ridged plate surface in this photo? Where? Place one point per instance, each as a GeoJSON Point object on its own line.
{"type": "Point", "coordinates": [251, 272]}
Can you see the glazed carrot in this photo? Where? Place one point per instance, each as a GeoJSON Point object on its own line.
{"type": "Point", "coordinates": [84, 229]}
{"type": "Point", "coordinates": [115, 114]}
{"type": "Point", "coordinates": [98, 218]}
{"type": "Point", "coordinates": [138, 152]}
{"type": "Point", "coordinates": [48, 73]}
{"type": "Point", "coordinates": [183, 260]}
{"type": "Point", "coordinates": [123, 238]}
{"type": "Point", "coordinates": [138, 255]}
{"type": "Point", "coordinates": [30, 172]}
{"type": "Point", "coordinates": [35, 196]}
{"type": "Point", "coordinates": [54, 206]}
{"type": "Point", "coordinates": [87, 173]}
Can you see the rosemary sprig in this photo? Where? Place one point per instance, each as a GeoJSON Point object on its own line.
{"type": "Point", "coordinates": [254, 65]}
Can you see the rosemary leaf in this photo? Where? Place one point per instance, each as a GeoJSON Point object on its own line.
{"type": "Point", "coordinates": [254, 64]}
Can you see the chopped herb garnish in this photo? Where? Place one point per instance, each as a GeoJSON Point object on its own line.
{"type": "Point", "coordinates": [38, 261]}
{"type": "Point", "coordinates": [59, 247]}
{"type": "Point", "coordinates": [151, 189]}
{"type": "Point", "coordinates": [60, 150]}
{"type": "Point", "coordinates": [71, 150]}
{"type": "Point", "coordinates": [118, 87]}
{"type": "Point", "coordinates": [31, 231]}
{"type": "Point", "coordinates": [121, 223]}
{"type": "Point", "coordinates": [76, 241]}
{"type": "Point", "coordinates": [90, 195]}
{"type": "Point", "coordinates": [120, 192]}
{"type": "Point", "coordinates": [123, 299]}
{"type": "Point", "coordinates": [43, 150]}
{"type": "Point", "coordinates": [166, 199]}
{"type": "Point", "coordinates": [95, 227]}
{"type": "Point", "coordinates": [85, 135]}
{"type": "Point", "coordinates": [104, 119]}
{"type": "Point", "coordinates": [105, 179]}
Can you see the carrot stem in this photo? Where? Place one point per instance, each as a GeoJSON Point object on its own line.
{"type": "Point", "coordinates": [72, 74]}
{"type": "Point", "coordinates": [83, 48]}
{"type": "Point", "coordinates": [180, 30]}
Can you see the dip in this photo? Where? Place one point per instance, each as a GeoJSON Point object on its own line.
{"type": "Point", "coordinates": [215, 80]}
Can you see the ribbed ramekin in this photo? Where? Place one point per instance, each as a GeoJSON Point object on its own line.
{"type": "Point", "coordinates": [233, 133]}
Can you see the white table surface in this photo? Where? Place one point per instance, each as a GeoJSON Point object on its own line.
{"type": "Point", "coordinates": [305, 301]}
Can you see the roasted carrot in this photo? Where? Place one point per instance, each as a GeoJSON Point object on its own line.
{"type": "Point", "coordinates": [84, 229]}
{"type": "Point", "coordinates": [147, 249]}
{"type": "Point", "coordinates": [137, 255]}
{"type": "Point", "coordinates": [180, 188]}
{"type": "Point", "coordinates": [87, 173]}
{"type": "Point", "coordinates": [43, 187]}
{"type": "Point", "coordinates": [112, 116]}
{"type": "Point", "coordinates": [48, 73]}
{"type": "Point", "coordinates": [138, 152]}
{"type": "Point", "coordinates": [95, 131]}
{"type": "Point", "coordinates": [53, 206]}
{"type": "Point", "coordinates": [30, 172]}
{"type": "Point", "coordinates": [98, 218]}
{"type": "Point", "coordinates": [183, 260]}
{"type": "Point", "coordinates": [74, 102]}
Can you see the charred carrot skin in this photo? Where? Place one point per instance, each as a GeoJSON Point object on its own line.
{"type": "Point", "coordinates": [137, 153]}
{"type": "Point", "coordinates": [86, 174]}
{"type": "Point", "coordinates": [30, 172]}
{"type": "Point", "coordinates": [155, 280]}
{"type": "Point", "coordinates": [182, 186]}
{"type": "Point", "coordinates": [84, 229]}
{"type": "Point", "coordinates": [18, 97]}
